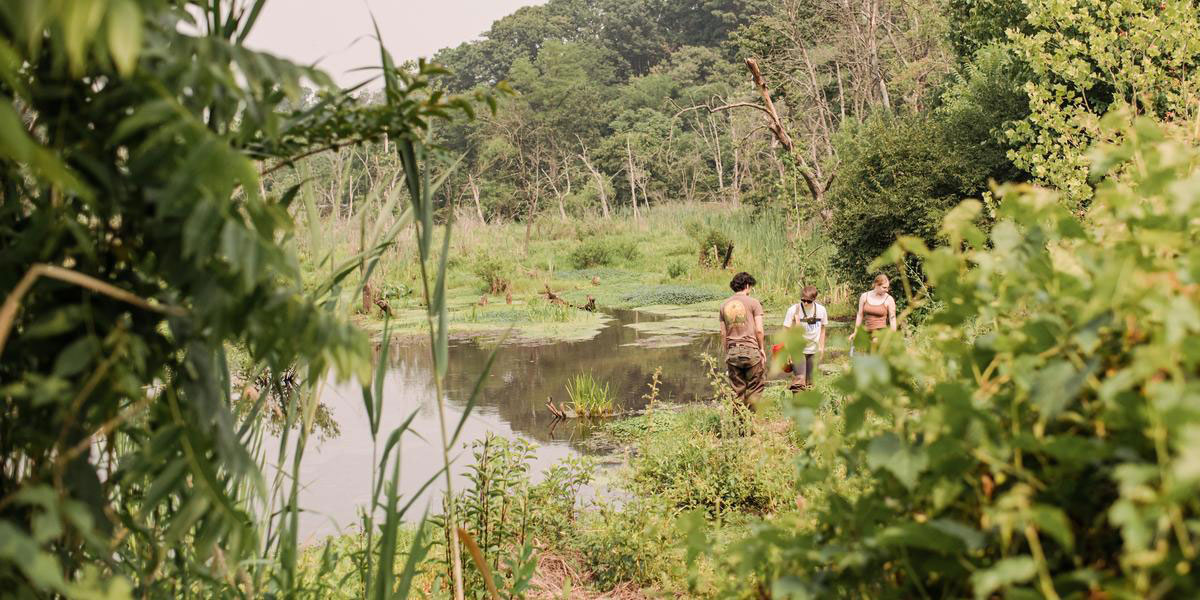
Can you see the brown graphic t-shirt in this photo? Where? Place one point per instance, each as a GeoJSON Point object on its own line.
{"type": "Point", "coordinates": [738, 313]}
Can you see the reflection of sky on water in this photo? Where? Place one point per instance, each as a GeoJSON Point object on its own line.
{"type": "Point", "coordinates": [336, 473]}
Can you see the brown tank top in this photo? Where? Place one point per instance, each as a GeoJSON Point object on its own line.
{"type": "Point", "coordinates": [874, 315]}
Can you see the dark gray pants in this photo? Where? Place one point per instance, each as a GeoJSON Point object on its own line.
{"type": "Point", "coordinates": [803, 372]}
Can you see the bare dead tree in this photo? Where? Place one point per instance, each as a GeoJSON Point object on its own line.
{"type": "Point", "coordinates": [817, 186]}
{"type": "Point", "coordinates": [600, 179]}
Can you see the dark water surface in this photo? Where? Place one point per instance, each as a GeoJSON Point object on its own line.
{"type": "Point", "coordinates": [336, 473]}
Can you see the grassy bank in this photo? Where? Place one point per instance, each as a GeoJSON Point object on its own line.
{"type": "Point", "coordinates": [697, 482]}
{"type": "Point", "coordinates": [669, 261]}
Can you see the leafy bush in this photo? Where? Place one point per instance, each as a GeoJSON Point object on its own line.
{"type": "Point", "coordinates": [677, 269]}
{"type": "Point", "coordinates": [600, 252]}
{"type": "Point", "coordinates": [1153, 42]}
{"type": "Point", "coordinates": [900, 174]}
{"type": "Point", "coordinates": [1039, 439]}
{"type": "Point", "coordinates": [714, 246]}
{"type": "Point", "coordinates": [505, 513]}
{"type": "Point", "coordinates": [137, 245]}
{"type": "Point", "coordinates": [629, 544]}
{"type": "Point", "coordinates": [701, 468]}
{"type": "Point", "coordinates": [496, 274]}
{"type": "Point", "coordinates": [670, 294]}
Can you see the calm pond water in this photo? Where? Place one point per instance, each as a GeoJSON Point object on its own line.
{"type": "Point", "coordinates": [336, 472]}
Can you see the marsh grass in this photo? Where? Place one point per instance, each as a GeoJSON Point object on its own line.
{"type": "Point", "coordinates": [589, 398]}
{"type": "Point", "coordinates": [624, 262]}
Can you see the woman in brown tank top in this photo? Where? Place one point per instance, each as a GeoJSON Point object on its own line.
{"type": "Point", "coordinates": [876, 309]}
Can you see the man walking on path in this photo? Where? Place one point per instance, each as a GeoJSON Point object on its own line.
{"type": "Point", "coordinates": [742, 339]}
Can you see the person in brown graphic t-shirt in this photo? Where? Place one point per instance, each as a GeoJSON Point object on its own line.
{"type": "Point", "coordinates": [742, 338]}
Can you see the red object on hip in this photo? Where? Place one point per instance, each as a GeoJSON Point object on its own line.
{"type": "Point", "coordinates": [775, 350]}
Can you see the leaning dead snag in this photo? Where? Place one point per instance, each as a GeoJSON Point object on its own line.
{"type": "Point", "coordinates": [817, 186]}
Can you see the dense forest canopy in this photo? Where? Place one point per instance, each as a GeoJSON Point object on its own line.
{"type": "Point", "coordinates": [893, 113]}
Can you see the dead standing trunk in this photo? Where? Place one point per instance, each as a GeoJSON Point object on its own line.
{"type": "Point", "coordinates": [475, 196]}
{"type": "Point", "coordinates": [775, 124]}
{"type": "Point", "coordinates": [735, 186]}
{"type": "Point", "coordinates": [629, 170]}
{"type": "Point", "coordinates": [873, 53]}
{"type": "Point", "coordinates": [601, 182]}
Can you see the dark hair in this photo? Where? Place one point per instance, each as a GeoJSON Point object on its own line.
{"type": "Point", "coordinates": [809, 293]}
{"type": "Point", "coordinates": [742, 281]}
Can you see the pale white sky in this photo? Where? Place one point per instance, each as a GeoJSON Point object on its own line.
{"type": "Point", "coordinates": [338, 32]}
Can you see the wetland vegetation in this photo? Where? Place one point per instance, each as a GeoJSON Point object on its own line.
{"type": "Point", "coordinates": [263, 336]}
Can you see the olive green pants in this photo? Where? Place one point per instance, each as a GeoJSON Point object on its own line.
{"type": "Point", "coordinates": [747, 374]}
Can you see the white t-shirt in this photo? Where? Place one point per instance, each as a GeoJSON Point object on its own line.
{"type": "Point", "coordinates": [799, 315]}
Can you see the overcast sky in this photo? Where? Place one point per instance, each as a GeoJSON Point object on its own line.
{"type": "Point", "coordinates": [338, 32]}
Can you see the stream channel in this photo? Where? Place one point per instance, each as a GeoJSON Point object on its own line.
{"type": "Point", "coordinates": [336, 472]}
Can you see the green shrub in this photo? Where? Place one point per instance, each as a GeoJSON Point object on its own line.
{"type": "Point", "coordinates": [697, 467]}
{"type": "Point", "coordinates": [600, 252]}
{"type": "Point", "coordinates": [714, 246]}
{"type": "Point", "coordinates": [505, 512]}
{"type": "Point", "coordinates": [676, 269]}
{"type": "Point", "coordinates": [900, 174]}
{"type": "Point", "coordinates": [634, 543]}
{"type": "Point", "coordinates": [495, 274]}
{"type": "Point", "coordinates": [592, 253]}
{"type": "Point", "coordinates": [1039, 437]}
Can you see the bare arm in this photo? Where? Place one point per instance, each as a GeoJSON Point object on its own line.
{"type": "Point", "coordinates": [892, 314]}
{"type": "Point", "coordinates": [858, 318]}
{"type": "Point", "coordinates": [821, 343]}
{"type": "Point", "coordinates": [724, 333]}
{"type": "Point", "coordinates": [758, 332]}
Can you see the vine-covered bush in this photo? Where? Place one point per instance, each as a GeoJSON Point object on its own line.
{"type": "Point", "coordinates": [1041, 436]}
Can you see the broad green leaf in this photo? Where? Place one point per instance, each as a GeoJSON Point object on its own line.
{"type": "Point", "coordinates": [76, 356]}
{"type": "Point", "coordinates": [905, 462]}
{"type": "Point", "coordinates": [1053, 521]}
{"type": "Point", "coordinates": [124, 35]}
{"type": "Point", "coordinates": [1054, 387]}
{"type": "Point", "coordinates": [40, 567]}
{"type": "Point", "coordinates": [1003, 573]}
{"type": "Point", "coordinates": [921, 535]}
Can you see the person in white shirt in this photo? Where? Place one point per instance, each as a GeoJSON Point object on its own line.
{"type": "Point", "coordinates": [815, 320]}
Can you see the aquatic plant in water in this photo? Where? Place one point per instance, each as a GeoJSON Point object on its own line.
{"type": "Point", "coordinates": [588, 397]}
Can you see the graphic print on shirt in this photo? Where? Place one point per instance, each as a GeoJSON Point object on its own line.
{"type": "Point", "coordinates": [735, 313]}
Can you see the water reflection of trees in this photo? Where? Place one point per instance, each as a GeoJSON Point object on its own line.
{"type": "Point", "coordinates": [522, 377]}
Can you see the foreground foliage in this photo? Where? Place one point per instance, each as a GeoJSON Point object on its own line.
{"type": "Point", "coordinates": [1041, 440]}
{"type": "Point", "coordinates": [138, 244]}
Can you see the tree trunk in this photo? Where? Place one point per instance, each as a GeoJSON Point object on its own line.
{"type": "Point", "coordinates": [841, 92]}
{"type": "Point", "coordinates": [873, 54]}
{"type": "Point", "coordinates": [475, 195]}
{"type": "Point", "coordinates": [532, 211]}
{"type": "Point", "coordinates": [717, 162]}
{"type": "Point", "coordinates": [629, 170]}
{"type": "Point", "coordinates": [735, 186]}
{"type": "Point", "coordinates": [601, 188]}
{"type": "Point", "coordinates": [815, 187]}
